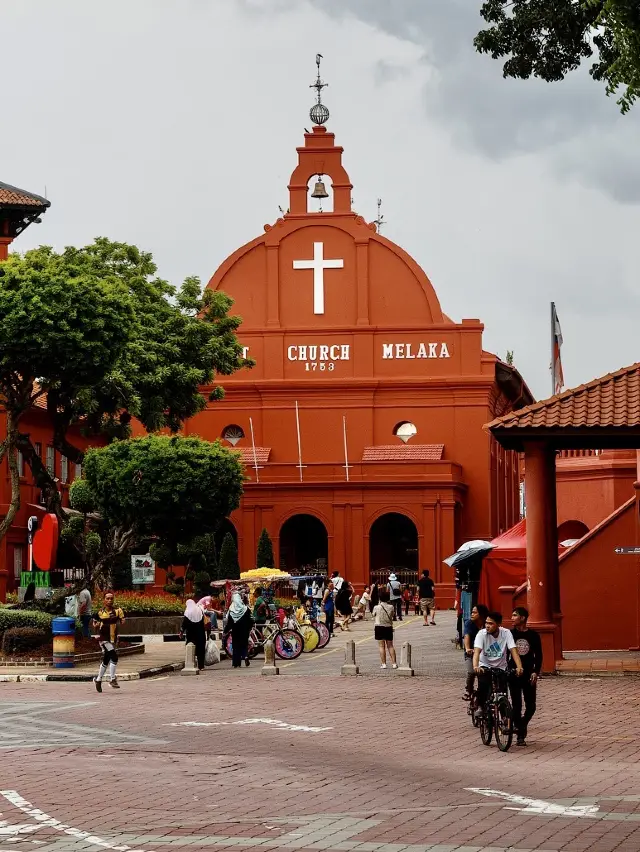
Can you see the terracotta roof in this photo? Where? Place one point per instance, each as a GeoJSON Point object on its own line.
{"type": "Point", "coordinates": [404, 452]}
{"type": "Point", "coordinates": [611, 401]}
{"type": "Point", "coordinates": [12, 196]}
{"type": "Point", "coordinates": [246, 455]}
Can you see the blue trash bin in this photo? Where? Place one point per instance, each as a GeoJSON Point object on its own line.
{"type": "Point", "coordinates": [64, 642]}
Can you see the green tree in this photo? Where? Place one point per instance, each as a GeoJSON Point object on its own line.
{"type": "Point", "coordinates": [550, 38]}
{"type": "Point", "coordinates": [170, 489]}
{"type": "Point", "coordinates": [102, 339]}
{"type": "Point", "coordinates": [228, 566]}
{"type": "Point", "coordinates": [264, 557]}
{"type": "Point", "coordinates": [509, 358]}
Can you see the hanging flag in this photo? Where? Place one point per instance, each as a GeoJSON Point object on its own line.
{"type": "Point", "coordinates": [556, 362]}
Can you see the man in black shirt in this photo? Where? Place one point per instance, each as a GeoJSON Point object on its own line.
{"type": "Point", "coordinates": [427, 598]}
{"type": "Point", "coordinates": [530, 650]}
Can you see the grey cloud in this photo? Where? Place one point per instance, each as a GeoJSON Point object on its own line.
{"type": "Point", "coordinates": [500, 118]}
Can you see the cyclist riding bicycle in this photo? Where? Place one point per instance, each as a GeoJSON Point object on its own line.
{"type": "Point", "coordinates": [491, 649]}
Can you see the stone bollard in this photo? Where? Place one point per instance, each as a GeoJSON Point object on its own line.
{"type": "Point", "coordinates": [350, 667]}
{"type": "Point", "coordinates": [405, 661]}
{"type": "Point", "coordinates": [190, 667]}
{"type": "Point", "coordinates": [269, 667]}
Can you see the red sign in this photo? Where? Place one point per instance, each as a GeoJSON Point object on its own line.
{"type": "Point", "coordinates": [45, 543]}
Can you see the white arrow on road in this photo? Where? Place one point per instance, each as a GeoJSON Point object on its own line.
{"type": "Point", "coordinates": [537, 806]}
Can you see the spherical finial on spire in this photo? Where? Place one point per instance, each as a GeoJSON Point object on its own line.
{"type": "Point", "coordinates": [318, 113]}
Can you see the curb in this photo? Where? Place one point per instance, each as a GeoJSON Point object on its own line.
{"type": "Point", "coordinates": [84, 678]}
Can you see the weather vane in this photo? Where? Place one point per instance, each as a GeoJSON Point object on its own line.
{"type": "Point", "coordinates": [318, 113]}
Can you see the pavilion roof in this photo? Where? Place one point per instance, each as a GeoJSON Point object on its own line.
{"type": "Point", "coordinates": [13, 196]}
{"type": "Point", "coordinates": [602, 413]}
{"type": "Point", "coordinates": [246, 455]}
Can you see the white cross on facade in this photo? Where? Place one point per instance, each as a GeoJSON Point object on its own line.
{"type": "Point", "coordinates": [318, 264]}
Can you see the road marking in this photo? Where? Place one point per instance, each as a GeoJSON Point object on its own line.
{"type": "Point", "coordinates": [538, 806]}
{"type": "Point", "coordinates": [43, 820]}
{"type": "Point", "coordinates": [30, 725]}
{"type": "Point", "coordinates": [274, 723]}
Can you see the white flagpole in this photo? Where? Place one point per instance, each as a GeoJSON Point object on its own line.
{"type": "Point", "coordinates": [553, 348]}
{"type": "Point", "coordinates": [299, 444]}
{"type": "Point", "coordinates": [255, 456]}
{"type": "Point", "coordinates": [346, 457]}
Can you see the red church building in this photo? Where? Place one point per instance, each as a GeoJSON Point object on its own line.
{"type": "Point", "coordinates": [361, 422]}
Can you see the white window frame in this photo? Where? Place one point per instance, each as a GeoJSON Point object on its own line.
{"type": "Point", "coordinates": [51, 460]}
{"type": "Point", "coordinates": [20, 460]}
{"type": "Point", "coordinates": [64, 469]}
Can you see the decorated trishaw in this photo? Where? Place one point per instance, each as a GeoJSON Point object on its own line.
{"type": "Point", "coordinates": [288, 643]}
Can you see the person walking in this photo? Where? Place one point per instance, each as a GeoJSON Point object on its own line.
{"type": "Point", "coordinates": [524, 688]}
{"type": "Point", "coordinates": [193, 629]}
{"type": "Point", "coordinates": [328, 607]}
{"type": "Point", "coordinates": [239, 624]}
{"type": "Point", "coordinates": [343, 604]}
{"type": "Point", "coordinates": [471, 629]}
{"type": "Point", "coordinates": [375, 597]}
{"type": "Point", "coordinates": [394, 588]}
{"type": "Point", "coordinates": [383, 614]}
{"type": "Point", "coordinates": [108, 621]}
{"type": "Point", "coordinates": [427, 598]}
{"type": "Point", "coordinates": [85, 611]}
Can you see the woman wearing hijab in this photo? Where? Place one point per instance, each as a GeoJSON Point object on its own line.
{"type": "Point", "coordinates": [193, 629]}
{"type": "Point", "coordinates": [239, 623]}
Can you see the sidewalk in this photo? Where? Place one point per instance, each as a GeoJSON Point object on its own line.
{"type": "Point", "coordinates": [158, 657]}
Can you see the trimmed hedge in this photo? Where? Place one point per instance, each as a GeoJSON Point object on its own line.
{"type": "Point", "coordinates": [21, 640]}
{"type": "Point", "coordinates": [136, 604]}
{"type": "Point", "coordinates": [24, 618]}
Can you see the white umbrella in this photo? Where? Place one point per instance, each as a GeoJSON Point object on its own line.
{"type": "Point", "coordinates": [476, 547]}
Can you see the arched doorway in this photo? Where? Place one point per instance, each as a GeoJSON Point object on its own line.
{"type": "Point", "coordinates": [304, 546]}
{"type": "Point", "coordinates": [393, 546]}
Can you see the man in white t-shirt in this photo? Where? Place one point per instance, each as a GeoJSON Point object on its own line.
{"type": "Point", "coordinates": [491, 650]}
{"type": "Point", "coordinates": [337, 580]}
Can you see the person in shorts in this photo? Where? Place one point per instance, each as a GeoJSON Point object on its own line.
{"type": "Point", "coordinates": [108, 621]}
{"type": "Point", "coordinates": [383, 615]}
{"type": "Point", "coordinates": [427, 598]}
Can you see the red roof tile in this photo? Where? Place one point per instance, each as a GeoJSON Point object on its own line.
{"type": "Point", "coordinates": [12, 196]}
{"type": "Point", "coordinates": [246, 455]}
{"type": "Point", "coordinates": [404, 452]}
{"type": "Point", "coordinates": [613, 400]}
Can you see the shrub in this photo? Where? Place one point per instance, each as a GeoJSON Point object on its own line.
{"type": "Point", "coordinates": [24, 618]}
{"type": "Point", "coordinates": [228, 567]}
{"type": "Point", "coordinates": [21, 640]}
{"type": "Point", "coordinates": [137, 604]}
{"type": "Point", "coordinates": [202, 583]}
{"type": "Point", "coordinates": [174, 589]}
{"type": "Point", "coordinates": [264, 556]}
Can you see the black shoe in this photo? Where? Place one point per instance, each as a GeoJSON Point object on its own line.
{"type": "Point", "coordinates": [521, 741]}
{"type": "Point", "coordinates": [98, 684]}
{"type": "Point", "coordinates": [114, 683]}
{"type": "Point", "coordinates": [247, 662]}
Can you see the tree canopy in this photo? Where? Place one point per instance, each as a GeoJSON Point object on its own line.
{"type": "Point", "coordinates": [550, 38]}
{"type": "Point", "coordinates": [172, 490]}
{"type": "Point", "coordinates": [228, 566]}
{"type": "Point", "coordinates": [264, 555]}
{"type": "Point", "coordinates": [98, 335]}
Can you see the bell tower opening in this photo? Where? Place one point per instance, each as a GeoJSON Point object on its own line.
{"type": "Point", "coordinates": [320, 197]}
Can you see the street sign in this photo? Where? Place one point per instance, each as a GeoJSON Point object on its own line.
{"type": "Point", "coordinates": [627, 551]}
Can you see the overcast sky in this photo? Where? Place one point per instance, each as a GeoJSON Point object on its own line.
{"type": "Point", "coordinates": [173, 124]}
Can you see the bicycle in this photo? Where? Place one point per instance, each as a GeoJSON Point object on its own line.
{"type": "Point", "coordinates": [316, 633]}
{"type": "Point", "coordinates": [472, 707]}
{"type": "Point", "coordinates": [498, 713]}
{"type": "Point", "coordinates": [288, 643]}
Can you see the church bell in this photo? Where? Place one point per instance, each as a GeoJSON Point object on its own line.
{"type": "Point", "coordinates": [319, 190]}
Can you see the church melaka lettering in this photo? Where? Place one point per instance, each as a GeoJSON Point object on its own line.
{"type": "Point", "coordinates": [360, 425]}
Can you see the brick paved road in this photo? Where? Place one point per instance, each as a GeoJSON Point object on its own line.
{"type": "Point", "coordinates": [394, 772]}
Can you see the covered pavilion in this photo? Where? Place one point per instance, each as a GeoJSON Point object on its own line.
{"type": "Point", "coordinates": [601, 414]}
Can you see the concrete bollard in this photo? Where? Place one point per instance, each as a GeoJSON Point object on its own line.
{"type": "Point", "coordinates": [405, 661]}
{"type": "Point", "coordinates": [350, 667]}
{"type": "Point", "coordinates": [190, 667]}
{"type": "Point", "coordinates": [269, 667]}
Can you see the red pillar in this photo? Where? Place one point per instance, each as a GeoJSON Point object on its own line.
{"type": "Point", "coordinates": [542, 565]}
{"type": "Point", "coordinates": [5, 242]}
